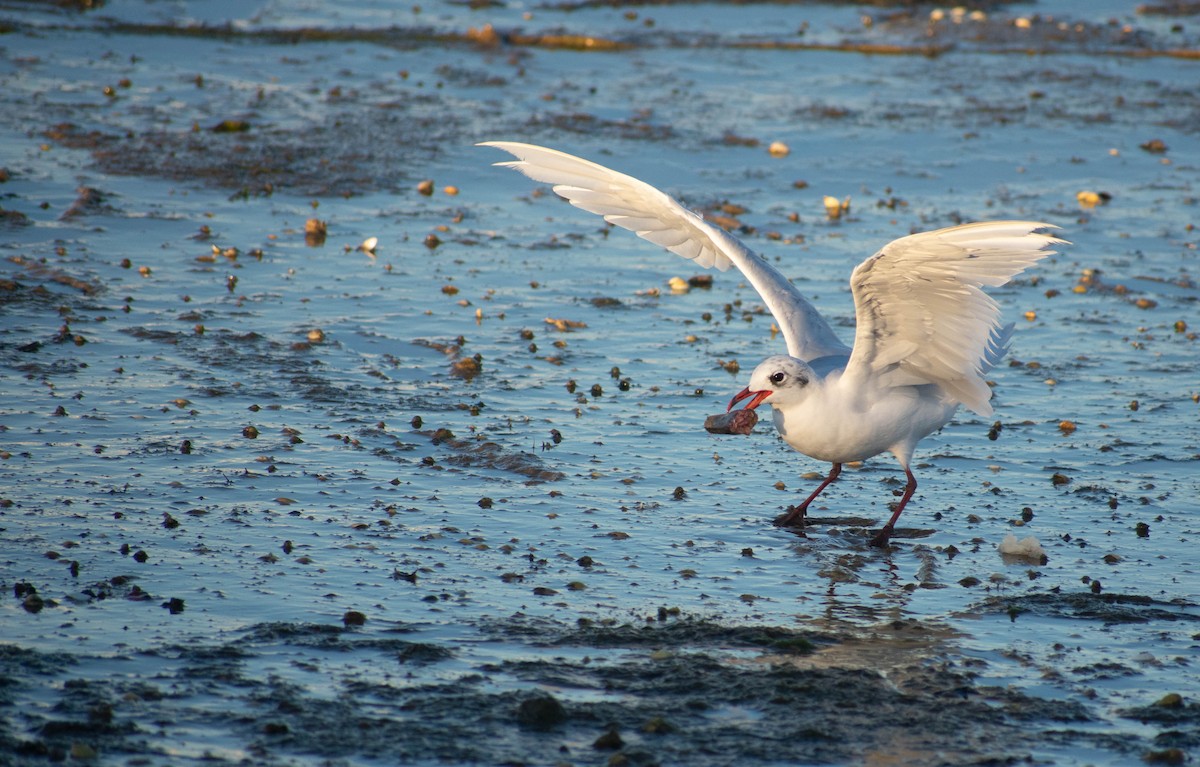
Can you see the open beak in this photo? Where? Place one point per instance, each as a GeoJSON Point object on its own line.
{"type": "Point", "coordinates": [756, 398]}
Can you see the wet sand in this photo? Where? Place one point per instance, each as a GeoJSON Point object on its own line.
{"type": "Point", "coordinates": [271, 497]}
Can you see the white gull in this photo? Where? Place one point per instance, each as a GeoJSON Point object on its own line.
{"type": "Point", "coordinates": [926, 333]}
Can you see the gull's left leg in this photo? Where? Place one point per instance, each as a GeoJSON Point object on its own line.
{"type": "Point", "coordinates": [881, 538]}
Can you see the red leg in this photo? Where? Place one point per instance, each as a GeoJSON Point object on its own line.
{"type": "Point", "coordinates": [881, 538]}
{"type": "Point", "coordinates": [798, 513]}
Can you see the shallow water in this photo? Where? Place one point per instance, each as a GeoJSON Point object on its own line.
{"type": "Point", "coordinates": [627, 573]}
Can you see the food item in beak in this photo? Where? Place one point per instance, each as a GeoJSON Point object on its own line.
{"type": "Point", "coordinates": [733, 422]}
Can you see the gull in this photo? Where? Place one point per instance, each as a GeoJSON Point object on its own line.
{"type": "Point", "coordinates": [925, 331]}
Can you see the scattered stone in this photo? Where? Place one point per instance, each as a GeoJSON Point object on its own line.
{"type": "Point", "coordinates": [1166, 756]}
{"type": "Point", "coordinates": [609, 741]}
{"type": "Point", "coordinates": [1154, 146]}
{"type": "Point", "coordinates": [658, 726]}
{"type": "Point", "coordinates": [1170, 700]}
{"type": "Point", "coordinates": [541, 712]}
{"type": "Point", "coordinates": [315, 231]}
{"type": "Point", "coordinates": [83, 752]}
{"type": "Point", "coordinates": [231, 126]}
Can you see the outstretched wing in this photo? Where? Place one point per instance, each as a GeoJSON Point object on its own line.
{"type": "Point", "coordinates": [652, 215]}
{"type": "Point", "coordinates": [922, 315]}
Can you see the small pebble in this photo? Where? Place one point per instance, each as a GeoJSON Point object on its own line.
{"type": "Point", "coordinates": [609, 741]}
{"type": "Point", "coordinates": [835, 208]}
{"type": "Point", "coordinates": [82, 752]}
{"type": "Point", "coordinates": [1170, 700]}
{"type": "Point", "coordinates": [542, 712]}
{"type": "Point", "coordinates": [1154, 146]}
{"type": "Point", "coordinates": [658, 726]}
{"type": "Point", "coordinates": [1166, 756]}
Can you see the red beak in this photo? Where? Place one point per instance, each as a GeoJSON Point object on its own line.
{"type": "Point", "coordinates": [757, 398]}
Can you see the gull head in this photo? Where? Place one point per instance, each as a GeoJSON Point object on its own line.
{"type": "Point", "coordinates": [777, 381]}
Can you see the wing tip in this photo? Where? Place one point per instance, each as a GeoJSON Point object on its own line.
{"type": "Point", "coordinates": [1038, 229]}
{"type": "Point", "coordinates": [506, 146]}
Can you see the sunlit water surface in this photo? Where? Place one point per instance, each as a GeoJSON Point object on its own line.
{"type": "Point", "coordinates": [309, 380]}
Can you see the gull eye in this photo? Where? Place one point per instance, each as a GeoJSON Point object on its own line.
{"type": "Point", "coordinates": [778, 377]}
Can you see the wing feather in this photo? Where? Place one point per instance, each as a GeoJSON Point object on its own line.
{"type": "Point", "coordinates": [922, 316]}
{"type": "Point", "coordinates": [631, 204]}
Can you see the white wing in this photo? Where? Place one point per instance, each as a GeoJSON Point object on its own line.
{"type": "Point", "coordinates": [652, 215]}
{"type": "Point", "coordinates": [922, 315]}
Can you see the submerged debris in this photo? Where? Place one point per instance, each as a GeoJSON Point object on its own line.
{"type": "Point", "coordinates": [1025, 550]}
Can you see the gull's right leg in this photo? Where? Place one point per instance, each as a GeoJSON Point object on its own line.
{"type": "Point", "coordinates": [795, 515]}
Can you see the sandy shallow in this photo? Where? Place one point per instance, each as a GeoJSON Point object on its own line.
{"type": "Point", "coordinates": [267, 497]}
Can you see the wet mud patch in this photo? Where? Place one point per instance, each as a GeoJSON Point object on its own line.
{"type": "Point", "coordinates": [41, 272]}
{"type": "Point", "coordinates": [484, 454]}
{"type": "Point", "coordinates": [352, 134]}
{"type": "Point", "coordinates": [29, 661]}
{"type": "Point", "coordinates": [666, 628]}
{"type": "Point", "coordinates": [1178, 721]}
{"type": "Point", "coordinates": [1101, 608]}
{"type": "Point", "coordinates": [341, 140]}
{"type": "Point", "coordinates": [698, 691]}
{"type": "Point", "coordinates": [363, 151]}
{"type": "Point", "coordinates": [673, 691]}
{"type": "Point", "coordinates": [995, 30]}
